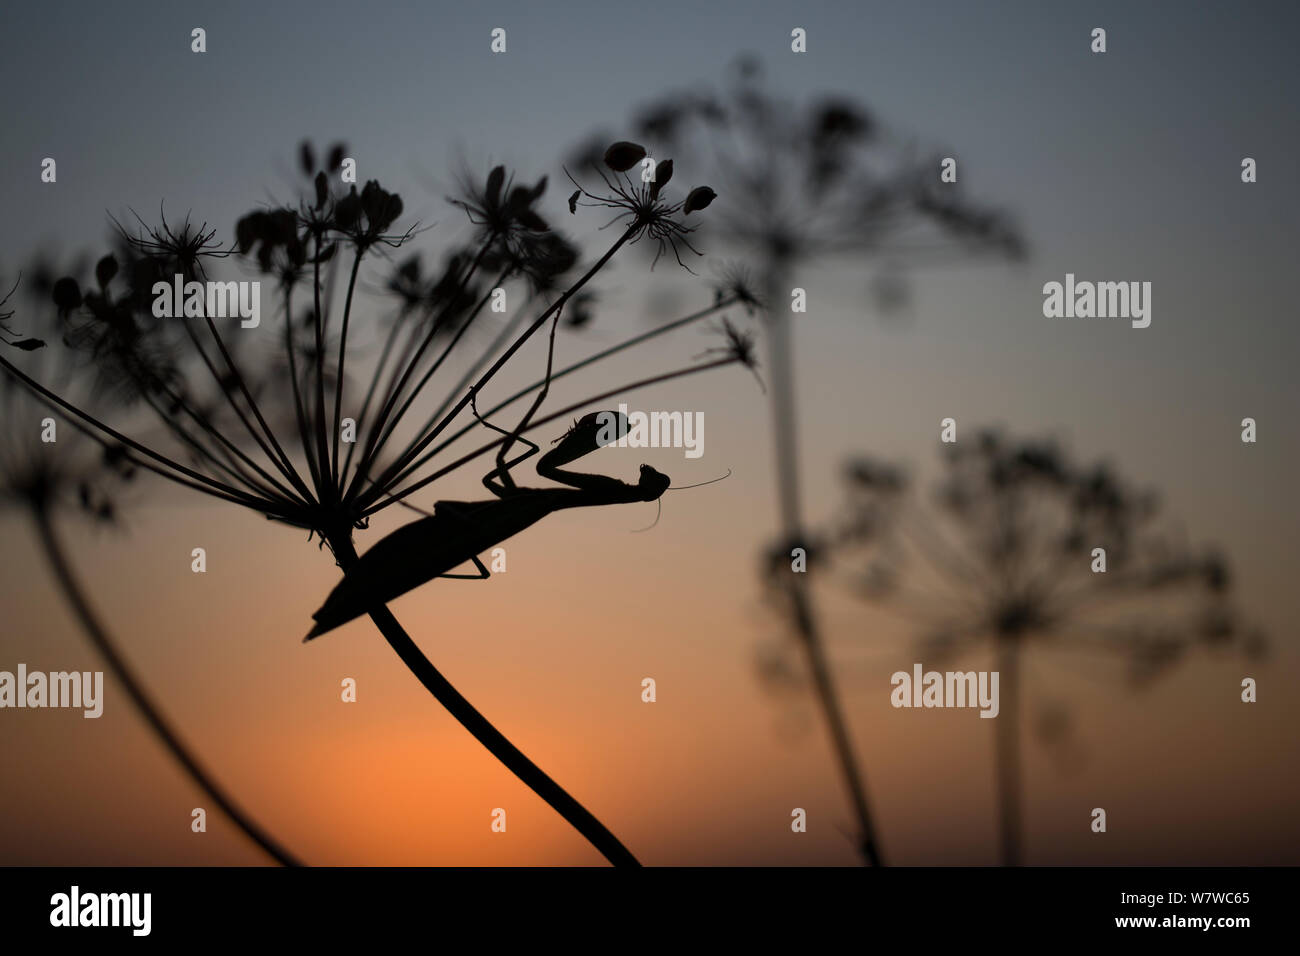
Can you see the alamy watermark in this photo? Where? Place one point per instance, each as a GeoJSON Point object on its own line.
{"type": "Point", "coordinates": [950, 689]}
{"type": "Point", "coordinates": [1102, 300]}
{"type": "Point", "coordinates": [215, 300]}
{"type": "Point", "coordinates": [652, 430]}
{"type": "Point", "coordinates": [75, 908]}
{"type": "Point", "coordinates": [84, 689]}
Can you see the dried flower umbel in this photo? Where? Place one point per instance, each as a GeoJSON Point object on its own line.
{"type": "Point", "coordinates": [257, 420]}
{"type": "Point", "coordinates": [640, 204]}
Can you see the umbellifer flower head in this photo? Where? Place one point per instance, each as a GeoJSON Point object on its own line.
{"type": "Point", "coordinates": [641, 205]}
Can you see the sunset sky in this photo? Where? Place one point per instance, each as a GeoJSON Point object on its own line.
{"type": "Point", "coordinates": [1122, 166]}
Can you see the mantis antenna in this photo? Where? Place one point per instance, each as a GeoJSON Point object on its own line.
{"type": "Point", "coordinates": [700, 484]}
{"type": "Point", "coordinates": [660, 502]}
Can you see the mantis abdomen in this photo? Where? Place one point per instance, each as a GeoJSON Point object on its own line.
{"type": "Point", "coordinates": [416, 553]}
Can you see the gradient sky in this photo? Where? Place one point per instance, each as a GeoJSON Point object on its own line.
{"type": "Point", "coordinates": [1122, 166]}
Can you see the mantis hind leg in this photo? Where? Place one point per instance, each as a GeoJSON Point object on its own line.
{"type": "Point", "coordinates": [444, 508]}
{"type": "Point", "coordinates": [483, 572]}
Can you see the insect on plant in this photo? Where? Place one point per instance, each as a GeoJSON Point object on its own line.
{"type": "Point", "coordinates": [458, 531]}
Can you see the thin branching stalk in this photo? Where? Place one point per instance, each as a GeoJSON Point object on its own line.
{"type": "Point", "coordinates": [389, 341]}
{"type": "Point", "coordinates": [386, 421]}
{"type": "Point", "coordinates": [325, 491]}
{"type": "Point", "coordinates": [343, 345]}
{"type": "Point", "coordinates": [437, 363]}
{"type": "Point", "coordinates": [87, 423]}
{"type": "Point", "coordinates": [278, 456]}
{"type": "Point", "coordinates": [366, 497]}
{"type": "Point", "coordinates": [567, 370]}
{"type": "Point", "coordinates": [300, 412]}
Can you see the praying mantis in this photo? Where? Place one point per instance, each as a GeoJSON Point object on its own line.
{"type": "Point", "coordinates": [459, 531]}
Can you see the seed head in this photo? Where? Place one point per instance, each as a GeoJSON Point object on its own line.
{"type": "Point", "coordinates": [623, 155]}
{"type": "Point", "coordinates": [698, 198]}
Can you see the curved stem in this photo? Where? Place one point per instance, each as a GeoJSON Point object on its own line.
{"type": "Point", "coordinates": [491, 738]}
{"type": "Point", "coordinates": [122, 671]}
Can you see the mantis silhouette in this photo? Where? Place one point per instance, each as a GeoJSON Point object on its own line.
{"type": "Point", "coordinates": [459, 531]}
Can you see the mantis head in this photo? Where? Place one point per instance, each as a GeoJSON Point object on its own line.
{"type": "Point", "coordinates": [597, 430]}
{"type": "Point", "coordinates": [652, 484]}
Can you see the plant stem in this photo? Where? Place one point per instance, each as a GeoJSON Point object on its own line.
{"type": "Point", "coordinates": [1008, 751]}
{"type": "Point", "coordinates": [300, 413]}
{"type": "Point", "coordinates": [483, 731]}
{"type": "Point", "coordinates": [326, 493]}
{"type": "Point", "coordinates": [122, 671]}
{"type": "Point", "coordinates": [343, 344]}
{"type": "Point", "coordinates": [787, 474]}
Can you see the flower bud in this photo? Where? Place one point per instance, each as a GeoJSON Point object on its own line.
{"type": "Point", "coordinates": [663, 173]}
{"type": "Point", "coordinates": [698, 198]}
{"type": "Point", "coordinates": [306, 158]}
{"type": "Point", "coordinates": [66, 294]}
{"type": "Point", "coordinates": [623, 155]}
{"type": "Point", "coordinates": [105, 269]}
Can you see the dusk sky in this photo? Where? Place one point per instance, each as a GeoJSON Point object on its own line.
{"type": "Point", "coordinates": [1122, 166]}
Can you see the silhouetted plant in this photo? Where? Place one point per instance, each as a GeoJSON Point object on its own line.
{"type": "Point", "coordinates": [226, 407]}
{"type": "Point", "coordinates": [80, 475]}
{"type": "Point", "coordinates": [1003, 555]}
{"type": "Point", "coordinates": [811, 185]}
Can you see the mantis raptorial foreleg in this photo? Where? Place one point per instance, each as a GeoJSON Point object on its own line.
{"type": "Point", "coordinates": [502, 470]}
{"type": "Point", "coordinates": [445, 508]}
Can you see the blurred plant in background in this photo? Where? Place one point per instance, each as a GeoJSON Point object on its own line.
{"type": "Point", "coordinates": [1004, 556]}
{"type": "Point", "coordinates": [815, 185]}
